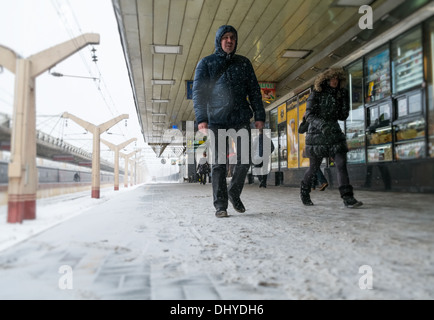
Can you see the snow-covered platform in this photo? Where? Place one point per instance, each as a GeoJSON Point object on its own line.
{"type": "Point", "coordinates": [163, 242]}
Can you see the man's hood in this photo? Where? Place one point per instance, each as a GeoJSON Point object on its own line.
{"type": "Point", "coordinates": [218, 37]}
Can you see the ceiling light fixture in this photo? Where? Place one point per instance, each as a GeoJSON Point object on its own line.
{"type": "Point", "coordinates": [385, 17]}
{"type": "Point", "coordinates": [299, 54]}
{"type": "Point", "coordinates": [334, 56]}
{"type": "Point", "coordinates": [300, 79]}
{"type": "Point", "coordinates": [166, 49]}
{"type": "Point", "coordinates": [160, 100]}
{"type": "Point", "coordinates": [163, 82]}
{"type": "Point", "coordinates": [159, 114]}
{"type": "Point", "coordinates": [351, 3]}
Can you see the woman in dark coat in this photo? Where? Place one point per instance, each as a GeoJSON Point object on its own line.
{"type": "Point", "coordinates": [328, 103]}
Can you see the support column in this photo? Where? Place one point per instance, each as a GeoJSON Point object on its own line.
{"type": "Point", "coordinates": [22, 172]}
{"type": "Point", "coordinates": [96, 154]}
{"type": "Point", "coordinates": [135, 161]}
{"type": "Point", "coordinates": [126, 158]}
{"type": "Point", "coordinates": [96, 165]}
{"type": "Point", "coordinates": [116, 149]}
{"type": "Point", "coordinates": [132, 172]}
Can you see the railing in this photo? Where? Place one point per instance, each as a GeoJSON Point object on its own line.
{"type": "Point", "coordinates": [44, 138]}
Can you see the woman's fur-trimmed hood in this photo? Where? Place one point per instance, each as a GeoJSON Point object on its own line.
{"type": "Point", "coordinates": [322, 79]}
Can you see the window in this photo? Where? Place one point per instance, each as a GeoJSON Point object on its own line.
{"type": "Point", "coordinates": [355, 124]}
{"type": "Point", "coordinates": [407, 61]}
{"type": "Point", "coordinates": [431, 91]}
{"type": "Point", "coordinates": [377, 75]}
{"type": "Point", "coordinates": [274, 138]}
{"type": "Point", "coordinates": [379, 132]}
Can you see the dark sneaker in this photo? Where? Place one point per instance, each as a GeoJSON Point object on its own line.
{"type": "Point", "coordinates": [351, 202]}
{"type": "Point", "coordinates": [238, 205]}
{"type": "Point", "coordinates": [221, 213]}
{"type": "Point", "coordinates": [323, 186]}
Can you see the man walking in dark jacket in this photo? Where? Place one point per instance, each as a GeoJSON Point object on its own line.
{"type": "Point", "coordinates": [226, 95]}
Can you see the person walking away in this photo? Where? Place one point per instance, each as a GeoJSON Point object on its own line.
{"type": "Point", "coordinates": [318, 177]}
{"type": "Point", "coordinates": [203, 168]}
{"type": "Point", "coordinates": [327, 104]}
{"type": "Point", "coordinates": [262, 164]}
{"type": "Point", "coordinates": [226, 95]}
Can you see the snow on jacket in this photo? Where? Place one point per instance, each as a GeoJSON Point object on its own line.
{"type": "Point", "coordinates": [223, 86]}
{"type": "Point", "coordinates": [325, 106]}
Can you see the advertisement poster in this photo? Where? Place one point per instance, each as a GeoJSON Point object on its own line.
{"type": "Point", "coordinates": [304, 162]}
{"type": "Point", "coordinates": [281, 113]}
{"type": "Point", "coordinates": [281, 127]}
{"type": "Point", "coordinates": [292, 129]}
{"type": "Point", "coordinates": [274, 138]}
{"type": "Point", "coordinates": [378, 75]}
{"type": "Point", "coordinates": [268, 90]}
{"type": "Point", "coordinates": [283, 149]}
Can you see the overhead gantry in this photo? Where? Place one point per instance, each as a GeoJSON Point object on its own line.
{"type": "Point", "coordinates": [96, 150]}
{"type": "Point", "coordinates": [116, 149]}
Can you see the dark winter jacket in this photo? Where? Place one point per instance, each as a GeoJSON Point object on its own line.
{"type": "Point", "coordinates": [325, 106]}
{"type": "Point", "coordinates": [223, 86]}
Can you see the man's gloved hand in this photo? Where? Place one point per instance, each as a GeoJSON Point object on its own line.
{"type": "Point", "coordinates": [326, 129]}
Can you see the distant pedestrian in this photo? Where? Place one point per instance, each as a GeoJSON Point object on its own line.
{"type": "Point", "coordinates": [261, 160]}
{"type": "Point", "coordinates": [327, 104]}
{"type": "Point", "coordinates": [203, 168]}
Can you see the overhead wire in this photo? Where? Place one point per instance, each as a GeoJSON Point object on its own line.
{"type": "Point", "coordinates": [94, 72]}
{"type": "Point", "coordinates": [106, 96]}
{"type": "Point", "coordinates": [7, 99]}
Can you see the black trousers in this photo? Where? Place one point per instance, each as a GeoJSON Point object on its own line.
{"type": "Point", "coordinates": [341, 166]}
{"type": "Point", "coordinates": [202, 177]}
{"type": "Point", "coordinates": [219, 139]}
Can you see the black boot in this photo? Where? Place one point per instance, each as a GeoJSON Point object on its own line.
{"type": "Point", "coordinates": [348, 196]}
{"type": "Point", "coordinates": [305, 194]}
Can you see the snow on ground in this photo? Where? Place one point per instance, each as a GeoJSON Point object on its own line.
{"type": "Point", "coordinates": [50, 212]}
{"type": "Point", "coordinates": [166, 235]}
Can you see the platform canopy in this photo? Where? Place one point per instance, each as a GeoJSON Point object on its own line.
{"type": "Point", "coordinates": [288, 41]}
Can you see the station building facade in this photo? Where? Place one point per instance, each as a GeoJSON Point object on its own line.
{"type": "Point", "coordinates": [390, 129]}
